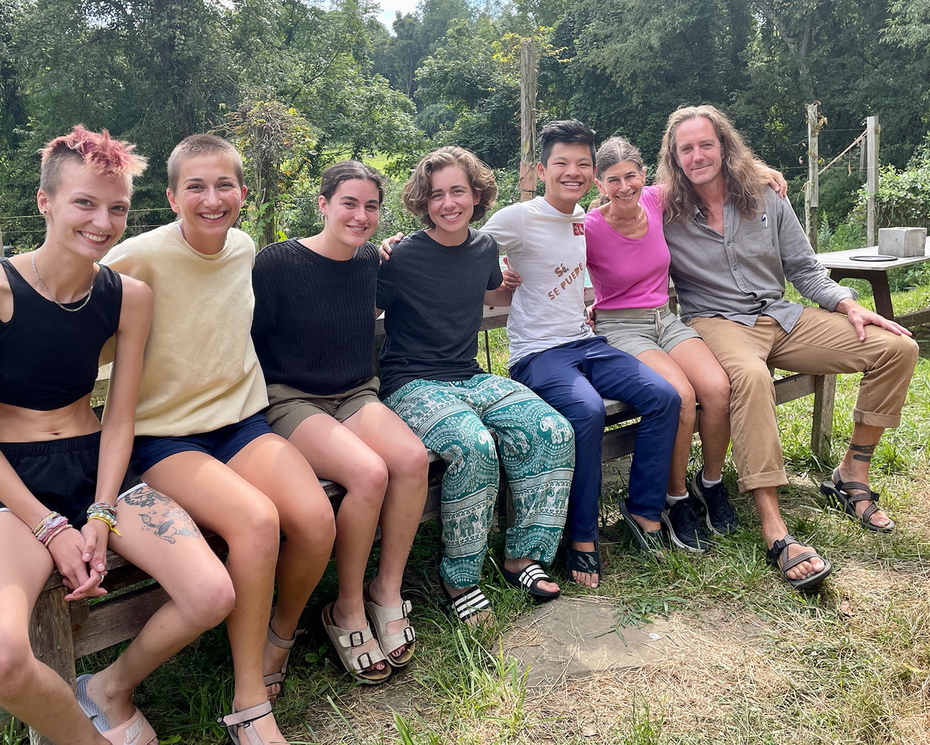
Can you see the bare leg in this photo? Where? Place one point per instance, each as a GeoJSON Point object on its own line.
{"type": "Point", "coordinates": [856, 462]}
{"type": "Point", "coordinates": [774, 528]}
{"type": "Point", "coordinates": [222, 501]}
{"type": "Point", "coordinates": [278, 470]}
{"type": "Point", "coordinates": [712, 391]}
{"type": "Point", "coordinates": [161, 539]}
{"type": "Point", "coordinates": [29, 689]}
{"type": "Point", "coordinates": [407, 463]}
{"type": "Point", "coordinates": [342, 452]}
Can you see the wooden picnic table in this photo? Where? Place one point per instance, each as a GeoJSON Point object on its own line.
{"type": "Point", "coordinates": [846, 265]}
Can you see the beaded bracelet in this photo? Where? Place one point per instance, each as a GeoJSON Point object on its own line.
{"type": "Point", "coordinates": [105, 513]}
{"type": "Point", "coordinates": [50, 526]}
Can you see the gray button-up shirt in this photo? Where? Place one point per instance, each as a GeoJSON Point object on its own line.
{"type": "Point", "coordinates": [741, 274]}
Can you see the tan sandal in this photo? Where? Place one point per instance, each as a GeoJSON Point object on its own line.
{"type": "Point", "coordinates": [358, 664]}
{"type": "Point", "coordinates": [380, 617]}
{"type": "Point", "coordinates": [279, 677]}
{"type": "Point", "coordinates": [239, 724]}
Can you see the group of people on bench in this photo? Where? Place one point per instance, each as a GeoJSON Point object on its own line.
{"type": "Point", "coordinates": [239, 380]}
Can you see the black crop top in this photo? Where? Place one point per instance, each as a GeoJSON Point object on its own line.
{"type": "Point", "coordinates": [49, 356]}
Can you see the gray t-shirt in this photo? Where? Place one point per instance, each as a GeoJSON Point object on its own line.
{"type": "Point", "coordinates": [741, 274]}
{"type": "Point", "coordinates": [433, 301]}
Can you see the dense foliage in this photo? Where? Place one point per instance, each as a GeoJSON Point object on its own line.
{"type": "Point", "coordinates": [298, 84]}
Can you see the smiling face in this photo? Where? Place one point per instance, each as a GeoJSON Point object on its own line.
{"type": "Point", "coordinates": [568, 174]}
{"type": "Point", "coordinates": [451, 205]}
{"type": "Point", "coordinates": [351, 214]}
{"type": "Point", "coordinates": [622, 184]}
{"type": "Point", "coordinates": [208, 200]}
{"type": "Point", "coordinates": [698, 150]}
{"type": "Point", "coordinates": [88, 210]}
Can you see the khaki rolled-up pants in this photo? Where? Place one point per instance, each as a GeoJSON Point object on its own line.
{"type": "Point", "coordinates": [820, 343]}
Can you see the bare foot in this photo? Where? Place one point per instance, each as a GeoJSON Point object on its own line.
{"type": "Point", "coordinates": [586, 579]}
{"type": "Point", "coordinates": [475, 619]}
{"type": "Point", "coordinates": [273, 659]}
{"type": "Point", "coordinates": [356, 621]}
{"type": "Point", "coordinates": [265, 727]}
{"type": "Point", "coordinates": [117, 708]}
{"type": "Point", "coordinates": [515, 566]}
{"type": "Point", "coordinates": [805, 568]}
{"type": "Point", "coordinates": [878, 518]}
{"type": "Point", "coordinates": [375, 593]}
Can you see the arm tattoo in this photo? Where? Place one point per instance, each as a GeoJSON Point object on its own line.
{"type": "Point", "coordinates": [160, 515]}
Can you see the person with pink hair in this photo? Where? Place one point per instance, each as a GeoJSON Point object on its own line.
{"type": "Point", "coordinates": [65, 494]}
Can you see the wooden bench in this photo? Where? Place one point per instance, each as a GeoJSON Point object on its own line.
{"type": "Point", "coordinates": [61, 632]}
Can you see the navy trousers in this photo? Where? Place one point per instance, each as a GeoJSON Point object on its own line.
{"type": "Point", "coordinates": [573, 378]}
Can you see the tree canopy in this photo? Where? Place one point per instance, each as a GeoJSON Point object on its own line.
{"type": "Point", "coordinates": [298, 84]}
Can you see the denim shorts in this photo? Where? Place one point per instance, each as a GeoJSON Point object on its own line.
{"type": "Point", "coordinates": [222, 443]}
{"type": "Point", "coordinates": [61, 474]}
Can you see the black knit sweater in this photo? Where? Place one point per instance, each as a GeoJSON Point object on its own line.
{"type": "Point", "coordinates": [314, 317]}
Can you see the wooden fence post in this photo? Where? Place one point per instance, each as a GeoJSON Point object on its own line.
{"type": "Point", "coordinates": [872, 131]}
{"type": "Point", "coordinates": [812, 196]}
{"type": "Point", "coordinates": [527, 120]}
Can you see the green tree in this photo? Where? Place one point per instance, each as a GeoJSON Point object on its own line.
{"type": "Point", "coordinates": [274, 141]}
{"type": "Point", "coordinates": [480, 86]}
{"type": "Point", "coordinates": [153, 71]}
{"type": "Point", "coordinates": [629, 64]}
{"type": "Point", "coordinates": [318, 61]}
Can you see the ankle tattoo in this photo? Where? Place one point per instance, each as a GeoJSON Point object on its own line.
{"type": "Point", "coordinates": [862, 452]}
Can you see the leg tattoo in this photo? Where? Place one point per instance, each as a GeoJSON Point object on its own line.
{"type": "Point", "coordinates": [862, 452]}
{"type": "Point", "coordinates": [160, 515]}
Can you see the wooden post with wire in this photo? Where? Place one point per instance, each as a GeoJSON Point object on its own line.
{"type": "Point", "coordinates": [527, 120]}
{"type": "Point", "coordinates": [872, 132]}
{"type": "Point", "coordinates": [812, 193]}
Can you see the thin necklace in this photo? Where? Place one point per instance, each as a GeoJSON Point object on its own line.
{"type": "Point", "coordinates": [49, 292]}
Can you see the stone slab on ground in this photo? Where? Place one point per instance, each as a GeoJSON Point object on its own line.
{"type": "Point", "coordinates": [577, 637]}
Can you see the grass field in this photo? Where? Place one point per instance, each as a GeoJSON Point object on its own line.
{"type": "Point", "coordinates": [752, 661]}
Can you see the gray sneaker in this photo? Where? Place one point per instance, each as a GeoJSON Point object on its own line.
{"type": "Point", "coordinates": [684, 529]}
{"type": "Point", "coordinates": [721, 519]}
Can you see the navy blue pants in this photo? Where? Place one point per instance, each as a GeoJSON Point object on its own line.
{"type": "Point", "coordinates": [573, 378]}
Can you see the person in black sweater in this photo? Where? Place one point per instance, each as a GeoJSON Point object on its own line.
{"type": "Point", "coordinates": [314, 333]}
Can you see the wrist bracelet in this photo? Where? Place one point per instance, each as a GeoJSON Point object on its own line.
{"type": "Point", "coordinates": [105, 517]}
{"type": "Point", "coordinates": [50, 526]}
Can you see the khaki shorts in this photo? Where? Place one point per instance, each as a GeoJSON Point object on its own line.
{"type": "Point", "coordinates": [288, 407]}
{"type": "Point", "coordinates": [661, 330]}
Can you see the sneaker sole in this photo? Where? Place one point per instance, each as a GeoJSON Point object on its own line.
{"type": "Point", "coordinates": [676, 541]}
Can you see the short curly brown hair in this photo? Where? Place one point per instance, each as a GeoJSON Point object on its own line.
{"type": "Point", "coordinates": [480, 178]}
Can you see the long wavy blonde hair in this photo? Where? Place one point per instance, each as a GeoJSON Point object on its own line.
{"type": "Point", "coordinates": [740, 168]}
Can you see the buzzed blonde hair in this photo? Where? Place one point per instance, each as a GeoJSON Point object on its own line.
{"type": "Point", "coordinates": [203, 144]}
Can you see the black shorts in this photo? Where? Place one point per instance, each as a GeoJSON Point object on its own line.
{"type": "Point", "coordinates": [61, 474]}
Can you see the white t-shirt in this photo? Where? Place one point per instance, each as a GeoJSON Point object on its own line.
{"type": "Point", "coordinates": [547, 249]}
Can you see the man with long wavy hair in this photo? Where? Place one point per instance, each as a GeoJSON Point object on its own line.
{"type": "Point", "coordinates": [734, 244]}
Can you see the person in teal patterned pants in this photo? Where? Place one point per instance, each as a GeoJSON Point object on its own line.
{"type": "Point", "coordinates": [432, 290]}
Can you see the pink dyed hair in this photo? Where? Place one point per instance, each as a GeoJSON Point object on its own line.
{"type": "Point", "coordinates": [96, 150]}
